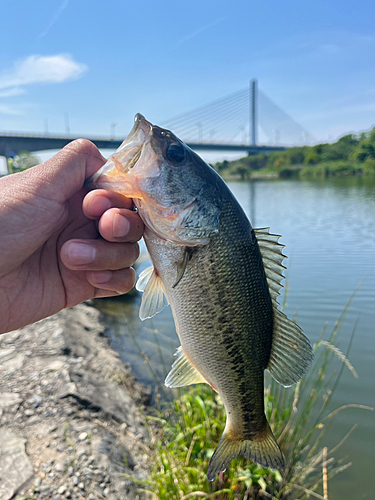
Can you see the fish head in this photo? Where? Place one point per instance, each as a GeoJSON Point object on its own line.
{"type": "Point", "coordinates": [174, 190]}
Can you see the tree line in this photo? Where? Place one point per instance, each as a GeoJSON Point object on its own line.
{"type": "Point", "coordinates": [352, 154]}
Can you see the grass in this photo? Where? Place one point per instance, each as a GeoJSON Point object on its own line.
{"type": "Point", "coordinates": [184, 434]}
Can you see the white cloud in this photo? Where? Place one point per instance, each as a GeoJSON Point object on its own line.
{"type": "Point", "coordinates": [40, 69]}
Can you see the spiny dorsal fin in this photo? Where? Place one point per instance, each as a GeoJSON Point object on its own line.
{"type": "Point", "coordinates": [291, 352]}
{"type": "Point", "coordinates": [153, 298]}
{"type": "Point", "coordinates": [183, 372]}
{"type": "Point", "coordinates": [272, 255]}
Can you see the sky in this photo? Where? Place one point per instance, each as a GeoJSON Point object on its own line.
{"type": "Point", "coordinates": [89, 67]}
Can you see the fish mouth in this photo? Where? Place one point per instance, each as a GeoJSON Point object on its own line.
{"type": "Point", "coordinates": [113, 173]}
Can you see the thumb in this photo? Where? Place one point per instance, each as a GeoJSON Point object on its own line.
{"type": "Point", "coordinates": [65, 173]}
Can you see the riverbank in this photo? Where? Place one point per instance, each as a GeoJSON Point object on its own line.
{"type": "Point", "coordinates": [71, 413]}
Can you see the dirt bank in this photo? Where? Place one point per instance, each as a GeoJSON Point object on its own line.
{"type": "Point", "coordinates": [71, 419]}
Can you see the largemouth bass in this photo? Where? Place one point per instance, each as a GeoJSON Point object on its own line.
{"type": "Point", "coordinates": [221, 278]}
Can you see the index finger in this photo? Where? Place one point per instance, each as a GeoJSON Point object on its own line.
{"type": "Point", "coordinates": [98, 201]}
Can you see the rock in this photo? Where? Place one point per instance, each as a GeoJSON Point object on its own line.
{"type": "Point", "coordinates": [33, 420]}
{"type": "Point", "coordinates": [56, 365]}
{"type": "Point", "coordinates": [9, 399]}
{"type": "Point", "coordinates": [72, 385]}
{"type": "Point", "coordinates": [15, 467]}
{"type": "Point", "coordinates": [81, 452]}
{"type": "Point", "coordinates": [36, 401]}
{"type": "Point", "coordinates": [81, 486]}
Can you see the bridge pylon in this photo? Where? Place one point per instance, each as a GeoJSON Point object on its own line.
{"type": "Point", "coordinates": [253, 111]}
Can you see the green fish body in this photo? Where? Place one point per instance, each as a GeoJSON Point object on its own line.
{"type": "Point", "coordinates": [221, 278]}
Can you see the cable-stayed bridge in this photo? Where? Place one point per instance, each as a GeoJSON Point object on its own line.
{"type": "Point", "coordinates": [245, 121]}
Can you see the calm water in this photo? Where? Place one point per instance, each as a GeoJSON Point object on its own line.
{"type": "Point", "coordinates": [329, 232]}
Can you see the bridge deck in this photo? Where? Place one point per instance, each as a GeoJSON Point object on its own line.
{"type": "Point", "coordinates": [13, 143]}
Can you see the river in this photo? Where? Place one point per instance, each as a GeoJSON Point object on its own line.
{"type": "Point", "coordinates": [328, 228]}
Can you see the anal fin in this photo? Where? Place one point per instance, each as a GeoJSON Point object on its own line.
{"type": "Point", "coordinates": [183, 372]}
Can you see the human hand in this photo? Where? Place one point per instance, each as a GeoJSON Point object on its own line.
{"type": "Point", "coordinates": [51, 253]}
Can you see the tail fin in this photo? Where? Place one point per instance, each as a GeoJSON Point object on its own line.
{"type": "Point", "coordinates": [264, 450]}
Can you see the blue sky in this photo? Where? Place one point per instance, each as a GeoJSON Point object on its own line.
{"type": "Point", "coordinates": [101, 62]}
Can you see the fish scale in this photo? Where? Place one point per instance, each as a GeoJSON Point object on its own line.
{"type": "Point", "coordinates": [221, 278]}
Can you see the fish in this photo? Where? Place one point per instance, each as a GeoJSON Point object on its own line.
{"type": "Point", "coordinates": [221, 278]}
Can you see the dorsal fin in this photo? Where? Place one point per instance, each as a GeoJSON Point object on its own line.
{"type": "Point", "coordinates": [272, 256]}
{"type": "Point", "coordinates": [291, 352]}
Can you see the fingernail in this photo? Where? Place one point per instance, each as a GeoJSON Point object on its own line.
{"type": "Point", "coordinates": [80, 253]}
{"type": "Point", "coordinates": [101, 277]}
{"type": "Point", "coordinates": [121, 226]}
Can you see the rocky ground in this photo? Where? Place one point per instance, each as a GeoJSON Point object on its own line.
{"type": "Point", "coordinates": [71, 418]}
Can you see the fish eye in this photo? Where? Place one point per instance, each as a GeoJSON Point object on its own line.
{"type": "Point", "coordinates": [175, 153]}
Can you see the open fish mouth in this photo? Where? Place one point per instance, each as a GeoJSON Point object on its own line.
{"type": "Point", "coordinates": [124, 159]}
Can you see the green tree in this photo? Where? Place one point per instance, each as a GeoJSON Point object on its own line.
{"type": "Point", "coordinates": [313, 155]}
{"type": "Point", "coordinates": [24, 160]}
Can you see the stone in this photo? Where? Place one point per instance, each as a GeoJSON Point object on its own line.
{"type": "Point", "coordinates": [15, 467]}
{"type": "Point", "coordinates": [9, 399]}
{"type": "Point", "coordinates": [70, 471]}
{"type": "Point", "coordinates": [82, 436]}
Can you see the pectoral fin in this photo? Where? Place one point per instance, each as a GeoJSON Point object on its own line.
{"type": "Point", "coordinates": [181, 267]}
{"type": "Point", "coordinates": [183, 372]}
{"type": "Point", "coordinates": [153, 298]}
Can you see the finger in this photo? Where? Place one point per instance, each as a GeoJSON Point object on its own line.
{"type": "Point", "coordinates": [65, 173]}
{"type": "Point", "coordinates": [121, 225]}
{"type": "Point", "coordinates": [96, 202]}
{"type": "Point", "coordinates": [98, 255]}
{"type": "Point", "coordinates": [121, 281]}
